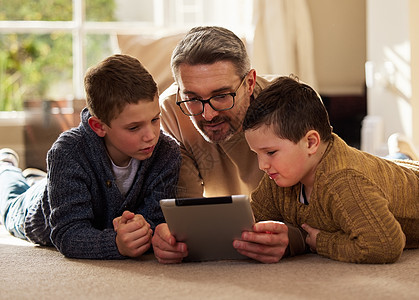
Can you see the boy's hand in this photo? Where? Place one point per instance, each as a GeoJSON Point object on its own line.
{"type": "Point", "coordinates": [311, 238]}
{"type": "Point", "coordinates": [166, 249]}
{"type": "Point", "coordinates": [266, 243]}
{"type": "Point", "coordinates": [133, 234]}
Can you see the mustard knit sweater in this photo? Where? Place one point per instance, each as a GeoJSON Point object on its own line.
{"type": "Point", "coordinates": [366, 207]}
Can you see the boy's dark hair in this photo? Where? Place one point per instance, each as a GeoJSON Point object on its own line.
{"type": "Point", "coordinates": [208, 45]}
{"type": "Point", "coordinates": [291, 108]}
{"type": "Point", "coordinates": [115, 82]}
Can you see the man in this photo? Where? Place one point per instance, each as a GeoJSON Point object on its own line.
{"type": "Point", "coordinates": [204, 111]}
{"type": "Point", "coordinates": [208, 63]}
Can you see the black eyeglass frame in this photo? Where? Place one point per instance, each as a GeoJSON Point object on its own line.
{"type": "Point", "coordinates": [203, 101]}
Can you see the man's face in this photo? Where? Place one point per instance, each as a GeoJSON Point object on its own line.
{"type": "Point", "coordinates": [205, 81]}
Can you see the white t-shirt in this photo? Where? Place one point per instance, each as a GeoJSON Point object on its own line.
{"type": "Point", "coordinates": [125, 175]}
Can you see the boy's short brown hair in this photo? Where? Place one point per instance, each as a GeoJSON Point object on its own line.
{"type": "Point", "coordinates": [291, 108]}
{"type": "Point", "coordinates": [115, 82]}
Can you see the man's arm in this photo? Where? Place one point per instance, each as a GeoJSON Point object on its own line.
{"type": "Point", "coordinates": [190, 184]}
{"type": "Point", "coordinates": [180, 127]}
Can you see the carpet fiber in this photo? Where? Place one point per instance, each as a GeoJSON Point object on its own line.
{"type": "Point", "coordinates": [32, 272]}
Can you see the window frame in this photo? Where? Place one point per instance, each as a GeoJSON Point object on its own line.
{"type": "Point", "coordinates": [79, 28]}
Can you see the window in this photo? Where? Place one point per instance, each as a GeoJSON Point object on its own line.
{"type": "Point", "coordinates": [47, 45]}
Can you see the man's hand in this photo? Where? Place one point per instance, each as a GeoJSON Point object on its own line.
{"type": "Point", "coordinates": [266, 243]}
{"type": "Point", "coordinates": [166, 249]}
{"type": "Point", "coordinates": [133, 234]}
{"type": "Point", "coordinates": [311, 238]}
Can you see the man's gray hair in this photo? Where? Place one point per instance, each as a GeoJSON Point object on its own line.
{"type": "Point", "coordinates": [208, 45]}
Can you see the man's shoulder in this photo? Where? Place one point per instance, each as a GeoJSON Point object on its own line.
{"type": "Point", "coordinates": [168, 93]}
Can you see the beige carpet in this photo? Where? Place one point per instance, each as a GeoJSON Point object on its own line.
{"type": "Point", "coordinates": [32, 272]}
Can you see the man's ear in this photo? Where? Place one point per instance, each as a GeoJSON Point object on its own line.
{"type": "Point", "coordinates": [251, 81]}
{"type": "Point", "coordinates": [313, 141]}
{"type": "Point", "coordinates": [97, 126]}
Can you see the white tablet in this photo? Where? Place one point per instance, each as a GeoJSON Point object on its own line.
{"type": "Point", "coordinates": [209, 225]}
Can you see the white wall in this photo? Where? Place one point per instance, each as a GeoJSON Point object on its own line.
{"type": "Point", "coordinates": [414, 44]}
{"type": "Point", "coordinates": [388, 69]}
{"type": "Point", "coordinates": [339, 37]}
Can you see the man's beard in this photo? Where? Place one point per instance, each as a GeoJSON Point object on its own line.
{"type": "Point", "coordinates": [216, 136]}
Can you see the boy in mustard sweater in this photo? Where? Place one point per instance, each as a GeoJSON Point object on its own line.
{"type": "Point", "coordinates": [355, 207]}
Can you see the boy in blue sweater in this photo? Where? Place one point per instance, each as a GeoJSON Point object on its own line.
{"type": "Point", "coordinates": [100, 199]}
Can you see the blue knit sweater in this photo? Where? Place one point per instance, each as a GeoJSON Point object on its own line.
{"type": "Point", "coordinates": [81, 197]}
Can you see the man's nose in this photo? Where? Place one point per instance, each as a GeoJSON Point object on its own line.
{"type": "Point", "coordinates": [209, 113]}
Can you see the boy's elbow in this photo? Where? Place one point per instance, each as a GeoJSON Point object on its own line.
{"type": "Point", "coordinates": [64, 250]}
{"type": "Point", "coordinates": [389, 252]}
{"type": "Point", "coordinates": [385, 258]}
{"type": "Point", "coordinates": [396, 248]}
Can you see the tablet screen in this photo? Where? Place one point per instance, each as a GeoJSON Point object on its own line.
{"type": "Point", "coordinates": [209, 225]}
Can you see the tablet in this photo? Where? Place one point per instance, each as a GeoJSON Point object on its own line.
{"type": "Point", "coordinates": [209, 225]}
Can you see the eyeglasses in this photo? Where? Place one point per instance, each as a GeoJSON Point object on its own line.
{"type": "Point", "coordinates": [194, 107]}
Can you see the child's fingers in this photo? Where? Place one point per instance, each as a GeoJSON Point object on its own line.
{"type": "Point", "coordinates": [126, 215]}
{"type": "Point", "coordinates": [115, 223]}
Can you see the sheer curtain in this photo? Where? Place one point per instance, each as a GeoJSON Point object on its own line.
{"type": "Point", "coordinates": [283, 39]}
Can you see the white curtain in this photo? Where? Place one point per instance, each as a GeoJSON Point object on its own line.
{"type": "Point", "coordinates": [283, 39]}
